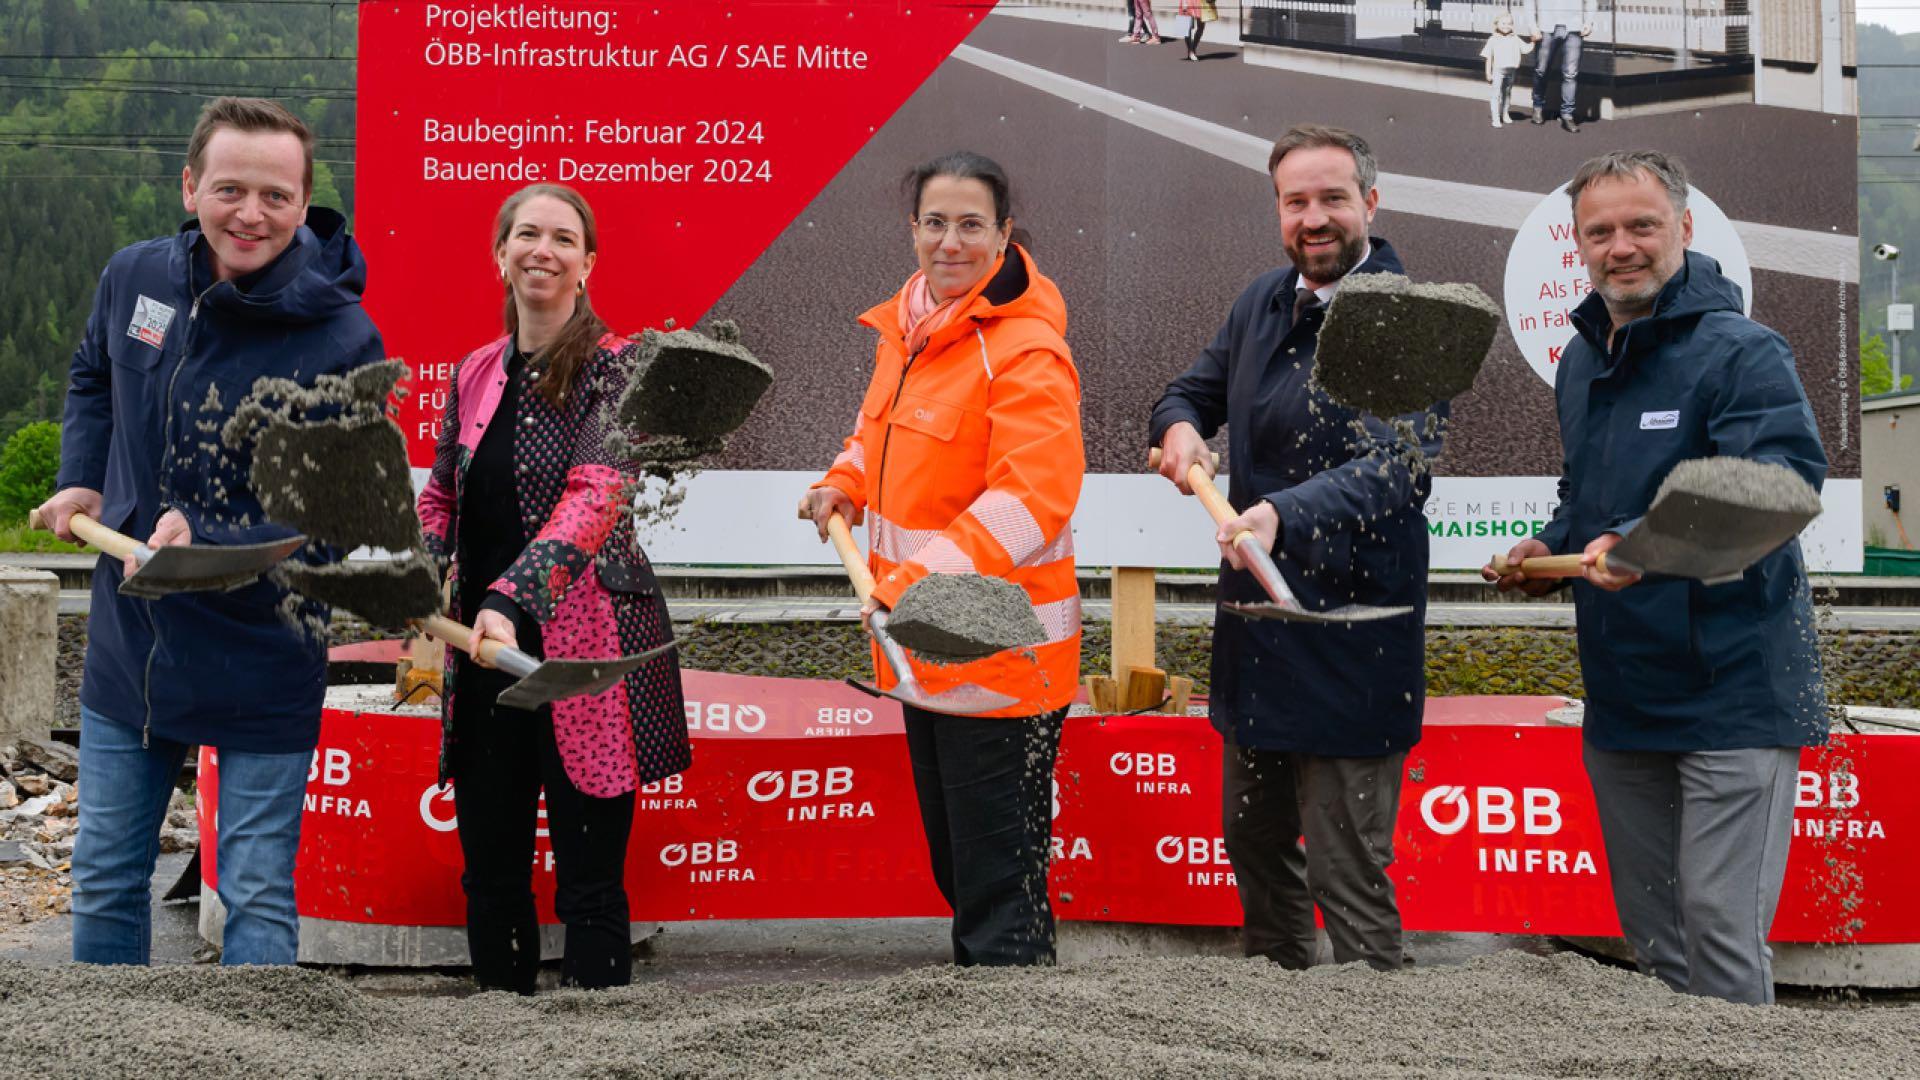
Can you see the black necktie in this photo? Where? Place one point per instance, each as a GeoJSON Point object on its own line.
{"type": "Point", "coordinates": [1304, 300]}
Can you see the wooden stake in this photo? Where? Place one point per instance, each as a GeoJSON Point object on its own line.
{"type": "Point", "coordinates": [1133, 622]}
{"type": "Point", "coordinates": [1181, 690]}
{"type": "Point", "coordinates": [1145, 687]}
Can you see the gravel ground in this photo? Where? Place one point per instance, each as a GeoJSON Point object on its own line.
{"type": "Point", "coordinates": [1506, 1015]}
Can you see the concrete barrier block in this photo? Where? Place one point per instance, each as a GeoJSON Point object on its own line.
{"type": "Point", "coordinates": [29, 647]}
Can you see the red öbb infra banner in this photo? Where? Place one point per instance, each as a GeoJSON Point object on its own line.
{"type": "Point", "coordinates": [800, 804]}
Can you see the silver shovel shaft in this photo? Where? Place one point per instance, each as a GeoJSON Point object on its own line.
{"type": "Point", "coordinates": [1260, 565]}
{"type": "Point", "coordinates": [966, 700]}
{"type": "Point", "coordinates": [1285, 605]}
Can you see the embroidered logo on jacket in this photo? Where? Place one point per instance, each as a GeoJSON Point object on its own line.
{"type": "Point", "coordinates": [150, 321]}
{"type": "Point", "coordinates": [1660, 421]}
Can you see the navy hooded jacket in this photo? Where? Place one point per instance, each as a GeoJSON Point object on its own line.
{"type": "Point", "coordinates": [168, 354]}
{"type": "Point", "coordinates": [1352, 531]}
{"type": "Point", "coordinates": [1671, 664]}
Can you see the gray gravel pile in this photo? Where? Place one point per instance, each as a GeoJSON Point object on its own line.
{"type": "Point", "coordinates": [949, 618]}
{"type": "Point", "coordinates": [1508, 1015]}
{"type": "Point", "coordinates": [388, 594]}
{"type": "Point", "coordinates": [338, 481]}
{"type": "Point", "coordinates": [693, 386]}
{"type": "Point", "coordinates": [328, 460]}
{"type": "Point", "coordinates": [1757, 485]}
{"type": "Point", "coordinates": [1390, 346]}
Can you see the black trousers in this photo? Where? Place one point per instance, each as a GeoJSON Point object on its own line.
{"type": "Point", "coordinates": [502, 758]}
{"type": "Point", "coordinates": [1344, 808]}
{"type": "Point", "coordinates": [985, 787]}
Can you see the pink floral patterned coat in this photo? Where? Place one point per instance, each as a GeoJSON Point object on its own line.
{"type": "Point", "coordinates": [582, 577]}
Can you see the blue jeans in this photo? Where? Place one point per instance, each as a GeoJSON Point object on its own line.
{"type": "Point", "coordinates": [124, 788]}
{"type": "Point", "coordinates": [1570, 43]}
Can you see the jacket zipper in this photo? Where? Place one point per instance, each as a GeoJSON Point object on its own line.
{"type": "Point", "coordinates": [166, 470]}
{"type": "Point", "coordinates": [886, 439]}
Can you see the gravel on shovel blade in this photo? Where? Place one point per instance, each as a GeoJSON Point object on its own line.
{"type": "Point", "coordinates": [949, 618]}
{"type": "Point", "coordinates": [1390, 346]}
{"type": "Point", "coordinates": [388, 594]}
{"type": "Point", "coordinates": [343, 482]}
{"type": "Point", "coordinates": [693, 386]}
{"type": "Point", "coordinates": [1754, 485]}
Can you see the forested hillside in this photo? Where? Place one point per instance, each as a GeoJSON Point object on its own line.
{"type": "Point", "coordinates": [96, 100]}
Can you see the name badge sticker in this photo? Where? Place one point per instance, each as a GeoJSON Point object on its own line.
{"type": "Point", "coordinates": [1664, 420]}
{"type": "Point", "coordinates": [150, 321]}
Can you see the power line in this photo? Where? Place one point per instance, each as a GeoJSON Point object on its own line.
{"type": "Point", "coordinates": [131, 136]}
{"type": "Point", "coordinates": [191, 59]}
{"type": "Point", "coordinates": [4, 141]}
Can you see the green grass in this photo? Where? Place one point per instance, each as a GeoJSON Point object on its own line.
{"type": "Point", "coordinates": [16, 537]}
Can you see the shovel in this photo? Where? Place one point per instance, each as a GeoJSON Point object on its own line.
{"type": "Point", "coordinates": [1711, 519]}
{"type": "Point", "coordinates": [965, 700]}
{"type": "Point", "coordinates": [406, 593]}
{"type": "Point", "coordinates": [178, 568]}
{"type": "Point", "coordinates": [1285, 606]}
{"type": "Point", "coordinates": [542, 681]}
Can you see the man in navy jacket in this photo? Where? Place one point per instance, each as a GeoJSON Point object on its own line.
{"type": "Point", "coordinates": [258, 284]}
{"type": "Point", "coordinates": [1699, 697]}
{"type": "Point", "coordinates": [1317, 718]}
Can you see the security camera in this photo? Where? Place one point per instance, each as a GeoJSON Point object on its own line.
{"type": "Point", "coordinates": [1886, 252]}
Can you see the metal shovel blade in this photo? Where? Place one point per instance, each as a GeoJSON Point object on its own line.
{"type": "Point", "coordinates": [555, 680]}
{"type": "Point", "coordinates": [1285, 607]}
{"type": "Point", "coordinates": [965, 700]}
{"type": "Point", "coordinates": [178, 568]}
{"type": "Point", "coordinates": [1694, 531]}
{"type": "Point", "coordinates": [1348, 614]}
{"type": "Point", "coordinates": [968, 700]}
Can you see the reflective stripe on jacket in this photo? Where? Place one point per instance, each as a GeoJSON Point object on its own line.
{"type": "Point", "coordinates": [967, 459]}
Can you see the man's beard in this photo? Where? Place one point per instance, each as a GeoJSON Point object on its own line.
{"type": "Point", "coordinates": [1333, 265]}
{"type": "Point", "coordinates": [1637, 298]}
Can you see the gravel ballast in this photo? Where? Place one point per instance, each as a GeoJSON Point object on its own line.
{"type": "Point", "coordinates": [1507, 1015]}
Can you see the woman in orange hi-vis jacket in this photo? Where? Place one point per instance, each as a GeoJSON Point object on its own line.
{"type": "Point", "coordinates": [966, 459]}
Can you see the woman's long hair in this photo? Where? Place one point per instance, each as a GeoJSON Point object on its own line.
{"type": "Point", "coordinates": [570, 350]}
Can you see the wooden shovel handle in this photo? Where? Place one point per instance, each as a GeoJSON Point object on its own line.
{"type": "Point", "coordinates": [850, 557]}
{"type": "Point", "coordinates": [119, 545]}
{"type": "Point", "coordinates": [1543, 567]}
{"type": "Point", "coordinates": [1203, 489]}
{"type": "Point", "coordinates": [458, 635]}
{"type": "Point", "coordinates": [849, 552]}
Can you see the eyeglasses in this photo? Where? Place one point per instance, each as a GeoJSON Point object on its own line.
{"type": "Point", "coordinates": [932, 228]}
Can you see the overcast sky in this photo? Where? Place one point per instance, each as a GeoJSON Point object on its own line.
{"type": "Point", "coordinates": [1901, 16]}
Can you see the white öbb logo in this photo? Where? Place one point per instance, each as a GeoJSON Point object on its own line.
{"type": "Point", "coordinates": [724, 716]}
{"type": "Point", "coordinates": [1664, 420]}
{"type": "Point", "coordinates": [707, 861]}
{"type": "Point", "coordinates": [800, 783]}
{"type": "Point", "coordinates": [150, 321]}
{"type": "Point", "coordinates": [437, 793]}
{"type": "Point", "coordinates": [1539, 813]}
{"type": "Point", "coordinates": [923, 415]}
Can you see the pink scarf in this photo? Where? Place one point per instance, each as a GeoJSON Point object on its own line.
{"type": "Point", "coordinates": [920, 314]}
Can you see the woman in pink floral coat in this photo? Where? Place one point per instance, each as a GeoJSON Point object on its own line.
{"type": "Point", "coordinates": [533, 510]}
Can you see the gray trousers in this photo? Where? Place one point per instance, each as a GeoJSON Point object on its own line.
{"type": "Point", "coordinates": [1697, 848]}
{"type": "Point", "coordinates": [1344, 808]}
